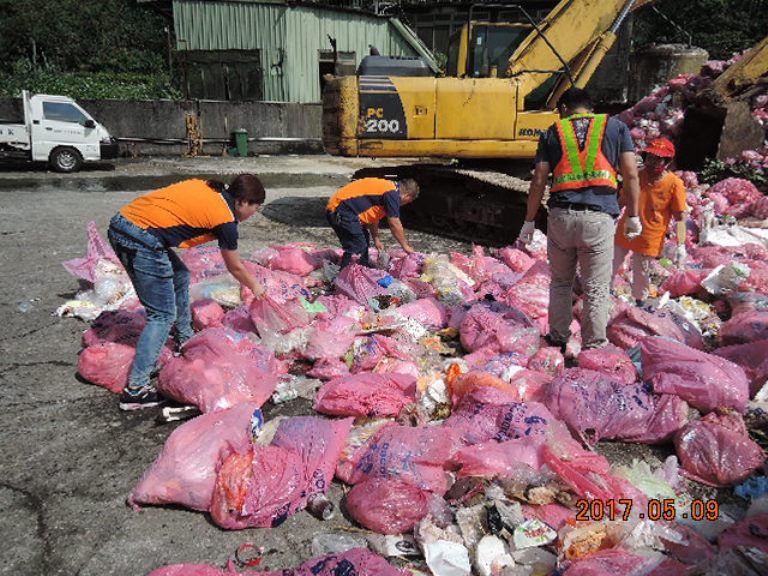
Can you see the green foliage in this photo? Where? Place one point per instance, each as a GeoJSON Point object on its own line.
{"type": "Point", "coordinates": [82, 35]}
{"type": "Point", "coordinates": [716, 170]}
{"type": "Point", "coordinates": [87, 85]}
{"type": "Point", "coordinates": [722, 27]}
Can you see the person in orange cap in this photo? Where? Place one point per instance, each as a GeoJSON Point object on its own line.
{"type": "Point", "coordinates": [662, 197]}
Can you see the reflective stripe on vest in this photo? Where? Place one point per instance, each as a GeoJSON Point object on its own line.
{"type": "Point", "coordinates": [582, 168]}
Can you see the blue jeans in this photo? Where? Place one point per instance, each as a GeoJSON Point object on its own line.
{"type": "Point", "coordinates": [354, 237]}
{"type": "Point", "coordinates": [161, 281]}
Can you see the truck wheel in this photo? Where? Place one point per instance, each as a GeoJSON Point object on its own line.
{"type": "Point", "coordinates": [65, 159]}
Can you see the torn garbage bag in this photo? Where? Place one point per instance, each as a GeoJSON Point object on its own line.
{"type": "Point", "coordinates": [597, 407]}
{"type": "Point", "coordinates": [262, 488]}
{"type": "Point", "coordinates": [387, 505]}
{"type": "Point", "coordinates": [185, 471]}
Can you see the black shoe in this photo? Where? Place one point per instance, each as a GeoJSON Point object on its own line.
{"type": "Point", "coordinates": [555, 344]}
{"type": "Point", "coordinates": [145, 397]}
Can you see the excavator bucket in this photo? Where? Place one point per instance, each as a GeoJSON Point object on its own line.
{"type": "Point", "coordinates": [721, 124]}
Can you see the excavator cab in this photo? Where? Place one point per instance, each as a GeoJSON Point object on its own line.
{"type": "Point", "coordinates": [483, 49]}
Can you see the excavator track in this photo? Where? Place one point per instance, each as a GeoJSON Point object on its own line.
{"type": "Point", "coordinates": [473, 205]}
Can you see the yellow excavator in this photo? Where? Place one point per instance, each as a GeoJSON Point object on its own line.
{"type": "Point", "coordinates": [502, 83]}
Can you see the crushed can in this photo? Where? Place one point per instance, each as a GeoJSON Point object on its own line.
{"type": "Point", "coordinates": [320, 507]}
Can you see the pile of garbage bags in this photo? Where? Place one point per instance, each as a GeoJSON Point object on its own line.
{"type": "Point", "coordinates": [465, 444]}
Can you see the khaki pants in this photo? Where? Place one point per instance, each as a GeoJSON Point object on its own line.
{"type": "Point", "coordinates": [641, 270]}
{"type": "Point", "coordinates": [584, 238]}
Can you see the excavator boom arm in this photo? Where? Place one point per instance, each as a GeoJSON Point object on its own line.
{"type": "Point", "coordinates": [571, 29]}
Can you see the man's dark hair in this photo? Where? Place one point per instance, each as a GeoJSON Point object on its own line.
{"type": "Point", "coordinates": [575, 98]}
{"type": "Point", "coordinates": [245, 187]}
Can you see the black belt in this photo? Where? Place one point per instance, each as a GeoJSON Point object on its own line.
{"type": "Point", "coordinates": [578, 207]}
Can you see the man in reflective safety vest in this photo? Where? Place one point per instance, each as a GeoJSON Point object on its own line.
{"type": "Point", "coordinates": [585, 152]}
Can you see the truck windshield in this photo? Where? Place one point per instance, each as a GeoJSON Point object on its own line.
{"type": "Point", "coordinates": [63, 112]}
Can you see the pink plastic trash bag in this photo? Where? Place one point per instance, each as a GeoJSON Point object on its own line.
{"type": "Point", "coordinates": [717, 450]}
{"type": "Point", "coordinates": [98, 248]}
{"type": "Point", "coordinates": [331, 338]}
{"type": "Point", "coordinates": [517, 260]}
{"type": "Point", "coordinates": [745, 327]}
{"type": "Point", "coordinates": [375, 350]}
{"type": "Point", "coordinates": [751, 532]}
{"type": "Point", "coordinates": [355, 562]}
{"type": "Point", "coordinates": [609, 360]}
{"type": "Point", "coordinates": [119, 326]}
{"type": "Point", "coordinates": [483, 415]}
{"type": "Point", "coordinates": [239, 320]}
{"type": "Point", "coordinates": [633, 324]}
{"type": "Point", "coordinates": [207, 313]}
{"type": "Point", "coordinates": [328, 369]}
{"type": "Point", "coordinates": [359, 283]}
{"type": "Point", "coordinates": [263, 488]}
{"type": "Point", "coordinates": [530, 294]}
{"type": "Point", "coordinates": [498, 328]}
{"type": "Point", "coordinates": [547, 360]}
{"type": "Point", "coordinates": [610, 562]}
{"type": "Point", "coordinates": [684, 283]}
{"type": "Point", "coordinates": [407, 265]}
{"type": "Point", "coordinates": [272, 317]}
{"type": "Point", "coordinates": [386, 505]}
{"type": "Point", "coordinates": [218, 369]}
{"type": "Point", "coordinates": [414, 455]}
{"type": "Point", "coordinates": [294, 259]}
{"type": "Point", "coordinates": [366, 395]}
{"type": "Point", "coordinates": [703, 380]}
{"type": "Point", "coordinates": [203, 262]}
{"type": "Point", "coordinates": [753, 359]}
{"type": "Point", "coordinates": [596, 406]}
{"type": "Point", "coordinates": [108, 364]}
{"type": "Point", "coordinates": [429, 312]}
{"type": "Point", "coordinates": [492, 459]}
{"type": "Point", "coordinates": [185, 471]}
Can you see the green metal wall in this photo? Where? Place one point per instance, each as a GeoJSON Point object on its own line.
{"type": "Point", "coordinates": [288, 39]}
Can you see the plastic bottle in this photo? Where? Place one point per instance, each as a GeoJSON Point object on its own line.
{"type": "Point", "coordinates": [320, 507]}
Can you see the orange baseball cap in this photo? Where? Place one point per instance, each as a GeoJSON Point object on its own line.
{"type": "Point", "coordinates": [660, 147]}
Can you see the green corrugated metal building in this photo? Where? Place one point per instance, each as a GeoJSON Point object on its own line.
{"type": "Point", "coordinates": [261, 50]}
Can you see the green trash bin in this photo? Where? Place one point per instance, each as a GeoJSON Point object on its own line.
{"type": "Point", "coordinates": [241, 142]}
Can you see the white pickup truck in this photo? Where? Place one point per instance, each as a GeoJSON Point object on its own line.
{"type": "Point", "coordinates": [58, 131]}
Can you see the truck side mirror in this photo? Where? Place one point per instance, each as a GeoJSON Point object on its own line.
{"type": "Point", "coordinates": [89, 123]}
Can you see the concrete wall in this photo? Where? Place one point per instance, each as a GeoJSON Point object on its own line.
{"type": "Point", "coordinates": [158, 127]}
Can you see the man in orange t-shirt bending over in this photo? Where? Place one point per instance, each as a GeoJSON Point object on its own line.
{"type": "Point", "coordinates": [662, 196]}
{"type": "Point", "coordinates": [355, 210]}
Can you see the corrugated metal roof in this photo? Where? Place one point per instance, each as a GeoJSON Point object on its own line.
{"type": "Point", "coordinates": [289, 39]}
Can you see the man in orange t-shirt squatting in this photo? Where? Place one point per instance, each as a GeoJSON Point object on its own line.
{"type": "Point", "coordinates": [662, 197]}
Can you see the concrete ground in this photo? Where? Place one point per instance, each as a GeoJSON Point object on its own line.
{"type": "Point", "coordinates": [68, 456]}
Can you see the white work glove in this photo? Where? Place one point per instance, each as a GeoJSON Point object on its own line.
{"type": "Point", "coordinates": [680, 255]}
{"type": "Point", "coordinates": [632, 227]}
{"type": "Point", "coordinates": [526, 233]}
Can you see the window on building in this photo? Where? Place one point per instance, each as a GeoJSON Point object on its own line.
{"type": "Point", "coordinates": [222, 74]}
